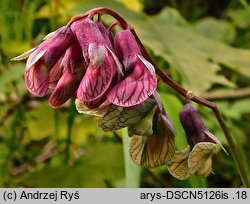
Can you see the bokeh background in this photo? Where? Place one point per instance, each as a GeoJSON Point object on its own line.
{"type": "Point", "coordinates": [202, 45]}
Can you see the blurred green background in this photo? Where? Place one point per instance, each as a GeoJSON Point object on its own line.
{"type": "Point", "coordinates": [203, 45]}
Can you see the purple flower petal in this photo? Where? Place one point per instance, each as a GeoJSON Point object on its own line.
{"type": "Point", "coordinates": [97, 79]}
{"type": "Point", "coordinates": [55, 74]}
{"type": "Point", "coordinates": [87, 32]}
{"type": "Point", "coordinates": [73, 57]}
{"type": "Point", "coordinates": [106, 34]}
{"type": "Point", "coordinates": [57, 45]}
{"type": "Point", "coordinates": [66, 87]}
{"type": "Point", "coordinates": [135, 88]}
{"type": "Point", "coordinates": [37, 79]}
{"type": "Point", "coordinates": [34, 57]}
{"type": "Point", "coordinates": [126, 48]}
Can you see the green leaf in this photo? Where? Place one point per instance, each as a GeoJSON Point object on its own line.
{"type": "Point", "coordinates": [4, 162]}
{"type": "Point", "coordinates": [225, 31]}
{"type": "Point", "coordinates": [173, 106]}
{"type": "Point", "coordinates": [235, 109]}
{"type": "Point", "coordinates": [240, 17]}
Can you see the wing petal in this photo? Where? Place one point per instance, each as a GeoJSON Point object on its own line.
{"type": "Point", "coordinates": [178, 166]}
{"type": "Point", "coordinates": [119, 117]}
{"type": "Point", "coordinates": [200, 159]}
{"type": "Point", "coordinates": [135, 88]}
{"type": "Point", "coordinates": [37, 79]}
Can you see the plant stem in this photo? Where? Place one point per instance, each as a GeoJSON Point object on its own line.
{"type": "Point", "coordinates": [70, 123]}
{"type": "Point", "coordinates": [132, 171]}
{"type": "Point", "coordinates": [56, 119]}
{"type": "Point", "coordinates": [246, 5]}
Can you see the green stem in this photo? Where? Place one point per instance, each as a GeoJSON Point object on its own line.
{"type": "Point", "coordinates": [70, 123]}
{"type": "Point", "coordinates": [132, 171]}
{"type": "Point", "coordinates": [56, 119]}
{"type": "Point", "coordinates": [246, 5]}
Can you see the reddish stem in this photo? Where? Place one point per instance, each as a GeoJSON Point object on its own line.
{"type": "Point", "coordinates": [101, 11]}
{"type": "Point", "coordinates": [179, 89]}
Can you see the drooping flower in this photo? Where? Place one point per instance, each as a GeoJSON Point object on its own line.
{"type": "Point", "coordinates": [152, 139]}
{"type": "Point", "coordinates": [43, 58]}
{"type": "Point", "coordinates": [139, 81]}
{"type": "Point", "coordinates": [56, 63]}
{"type": "Point", "coordinates": [102, 62]}
{"type": "Point", "coordinates": [197, 157]}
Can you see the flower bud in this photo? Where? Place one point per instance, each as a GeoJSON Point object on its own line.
{"type": "Point", "coordinates": [193, 125]}
{"type": "Point", "coordinates": [50, 50]}
{"type": "Point", "coordinates": [66, 86]}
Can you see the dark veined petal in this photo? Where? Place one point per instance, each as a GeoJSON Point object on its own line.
{"type": "Point", "coordinates": [200, 159]}
{"type": "Point", "coordinates": [178, 166]}
{"type": "Point", "coordinates": [151, 151]}
{"type": "Point", "coordinates": [55, 74]}
{"type": "Point", "coordinates": [73, 58]}
{"type": "Point", "coordinates": [97, 79]}
{"type": "Point", "coordinates": [51, 49]}
{"type": "Point", "coordinates": [57, 45]}
{"type": "Point", "coordinates": [66, 87]}
{"type": "Point", "coordinates": [135, 88]}
{"type": "Point", "coordinates": [119, 117]}
{"type": "Point", "coordinates": [156, 149]}
{"type": "Point", "coordinates": [37, 79]}
{"type": "Point", "coordinates": [143, 127]}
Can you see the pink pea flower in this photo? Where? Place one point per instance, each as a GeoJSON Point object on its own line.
{"type": "Point", "coordinates": [139, 81]}
{"type": "Point", "coordinates": [56, 63]}
{"type": "Point", "coordinates": [43, 58]}
{"type": "Point", "coordinates": [69, 74]}
{"type": "Point", "coordinates": [103, 65]}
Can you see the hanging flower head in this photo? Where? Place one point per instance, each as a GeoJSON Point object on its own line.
{"type": "Point", "coordinates": [109, 74]}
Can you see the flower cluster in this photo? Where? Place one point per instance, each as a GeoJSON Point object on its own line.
{"type": "Point", "coordinates": [84, 60]}
{"type": "Point", "coordinates": [107, 73]}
